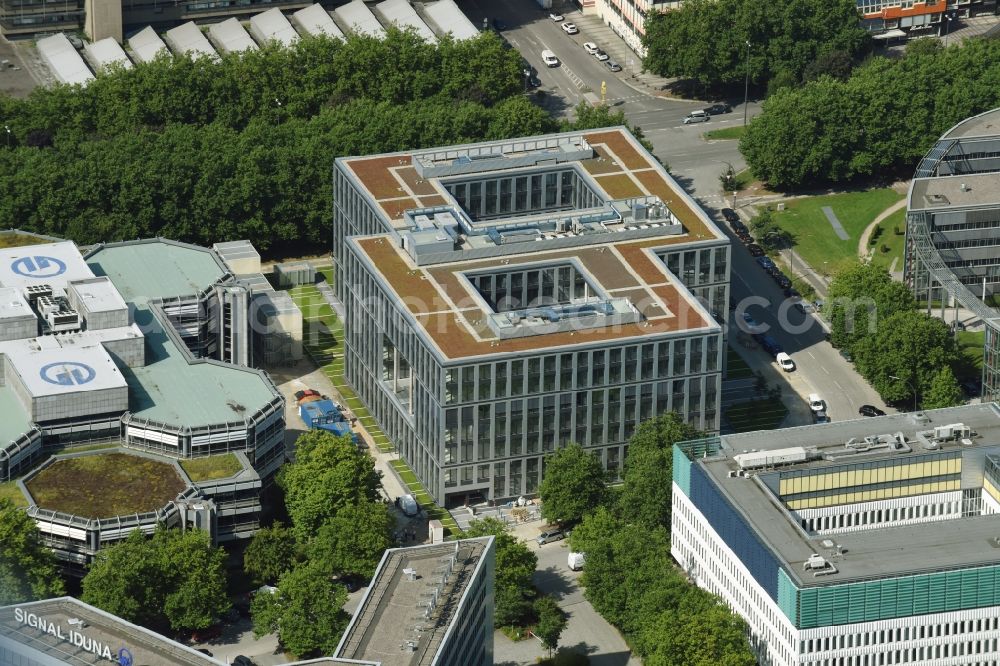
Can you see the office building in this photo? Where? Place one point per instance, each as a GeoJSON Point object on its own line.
{"type": "Point", "coordinates": [426, 606]}
{"type": "Point", "coordinates": [146, 345]}
{"type": "Point", "coordinates": [857, 543]}
{"type": "Point", "coordinates": [627, 18]}
{"type": "Point", "coordinates": [507, 298]}
{"type": "Point", "coordinates": [951, 260]}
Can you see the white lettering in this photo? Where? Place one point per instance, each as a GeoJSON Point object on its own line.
{"type": "Point", "coordinates": [19, 615]}
{"type": "Point", "coordinates": [107, 653]}
{"type": "Point", "coordinates": [75, 638]}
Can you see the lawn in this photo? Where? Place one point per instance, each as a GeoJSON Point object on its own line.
{"type": "Point", "coordinates": [105, 485]}
{"type": "Point", "coordinates": [970, 343]}
{"type": "Point", "coordinates": [10, 491]}
{"type": "Point", "coordinates": [725, 133]}
{"type": "Point", "coordinates": [889, 239]}
{"type": "Point", "coordinates": [814, 237]}
{"type": "Point", "coordinates": [753, 415]}
{"type": "Point", "coordinates": [736, 367]}
{"type": "Point", "coordinates": [13, 239]}
{"type": "Point", "coordinates": [212, 467]}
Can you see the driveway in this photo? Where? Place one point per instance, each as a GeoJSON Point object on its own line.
{"type": "Point", "coordinates": [586, 630]}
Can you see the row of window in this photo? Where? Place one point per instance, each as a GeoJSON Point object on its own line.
{"type": "Point", "coordinates": [875, 518]}
{"type": "Point", "coordinates": [923, 654]}
{"type": "Point", "coordinates": [502, 196]}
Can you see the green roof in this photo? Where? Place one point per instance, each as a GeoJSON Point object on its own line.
{"type": "Point", "coordinates": [171, 389]}
{"type": "Point", "coordinates": [14, 419]}
{"type": "Point", "coordinates": [145, 270]}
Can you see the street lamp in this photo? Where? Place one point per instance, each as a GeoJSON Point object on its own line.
{"type": "Point", "coordinates": [7, 127]}
{"type": "Point", "coordinates": [746, 86]}
{"type": "Point", "coordinates": [947, 25]}
{"type": "Point", "coordinates": [912, 388]}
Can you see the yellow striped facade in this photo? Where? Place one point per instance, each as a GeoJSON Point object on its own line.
{"type": "Point", "coordinates": [991, 489]}
{"type": "Point", "coordinates": [851, 497]}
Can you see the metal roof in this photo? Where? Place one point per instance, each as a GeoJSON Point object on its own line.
{"type": "Point", "coordinates": [316, 21]}
{"type": "Point", "coordinates": [66, 64]}
{"type": "Point", "coordinates": [356, 17]}
{"type": "Point", "coordinates": [188, 39]}
{"type": "Point", "coordinates": [231, 37]}
{"type": "Point", "coordinates": [106, 53]}
{"type": "Point", "coordinates": [449, 18]}
{"type": "Point", "coordinates": [13, 305]}
{"type": "Point", "coordinates": [985, 124]}
{"type": "Point", "coordinates": [273, 26]}
{"type": "Point", "coordinates": [402, 14]}
{"type": "Point", "coordinates": [144, 270]}
{"type": "Point", "coordinates": [146, 45]}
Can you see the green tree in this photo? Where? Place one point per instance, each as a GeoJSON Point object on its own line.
{"type": "Point", "coordinates": [174, 579]}
{"type": "Point", "coordinates": [27, 568]}
{"type": "Point", "coordinates": [573, 484]}
{"type": "Point", "coordinates": [515, 566]}
{"type": "Point", "coordinates": [702, 631]}
{"type": "Point", "coordinates": [923, 46]}
{"type": "Point", "coordinates": [329, 474]}
{"type": "Point", "coordinates": [645, 495]}
{"type": "Point", "coordinates": [908, 352]}
{"type": "Point", "coordinates": [306, 610]}
{"type": "Point", "coordinates": [859, 299]}
{"type": "Point", "coordinates": [943, 391]}
{"type": "Point", "coordinates": [550, 622]}
{"type": "Point", "coordinates": [353, 541]}
{"type": "Point", "coordinates": [271, 553]}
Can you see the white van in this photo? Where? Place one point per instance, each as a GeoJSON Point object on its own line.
{"type": "Point", "coordinates": [699, 116]}
{"type": "Point", "coordinates": [549, 58]}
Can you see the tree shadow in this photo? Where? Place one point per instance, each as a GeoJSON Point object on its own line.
{"type": "Point", "coordinates": [554, 581]}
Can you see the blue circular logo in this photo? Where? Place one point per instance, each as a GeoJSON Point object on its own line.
{"type": "Point", "coordinates": [38, 266]}
{"type": "Point", "coordinates": [124, 657]}
{"type": "Point", "coordinates": [68, 374]}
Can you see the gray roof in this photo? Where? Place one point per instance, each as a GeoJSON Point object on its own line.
{"type": "Point", "coordinates": [402, 14]}
{"type": "Point", "coordinates": [188, 39]}
{"type": "Point", "coordinates": [356, 17]}
{"type": "Point", "coordinates": [231, 37]}
{"type": "Point", "coordinates": [146, 45]}
{"type": "Point", "coordinates": [985, 124]}
{"type": "Point", "coordinates": [156, 269]}
{"type": "Point", "coordinates": [53, 264]}
{"type": "Point", "coordinates": [273, 26]}
{"type": "Point", "coordinates": [960, 191]}
{"type": "Point", "coordinates": [98, 294]}
{"type": "Point", "coordinates": [868, 554]}
{"type": "Point", "coordinates": [449, 18]}
{"type": "Point", "coordinates": [316, 21]}
{"type": "Point", "coordinates": [105, 53]}
{"type": "Point", "coordinates": [66, 64]}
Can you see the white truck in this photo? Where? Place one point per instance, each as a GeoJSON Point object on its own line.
{"type": "Point", "coordinates": [575, 561]}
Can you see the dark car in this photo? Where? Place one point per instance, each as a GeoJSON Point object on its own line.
{"type": "Point", "coordinates": [783, 282]}
{"type": "Point", "coordinates": [716, 109]}
{"type": "Point", "coordinates": [240, 660]}
{"type": "Point", "coordinates": [499, 25]}
{"type": "Point", "coordinates": [612, 65]}
{"type": "Point", "coordinates": [870, 410]}
{"type": "Point", "coordinates": [745, 238]}
{"type": "Point", "coordinates": [770, 345]}
{"type": "Point", "coordinates": [534, 81]}
{"type": "Point", "coordinates": [729, 215]}
{"type": "Point", "coordinates": [755, 250]}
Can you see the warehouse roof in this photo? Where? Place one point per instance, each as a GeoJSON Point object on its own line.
{"type": "Point", "coordinates": [450, 19]}
{"type": "Point", "coordinates": [356, 17]}
{"type": "Point", "coordinates": [872, 553]}
{"type": "Point", "coordinates": [156, 268]}
{"type": "Point", "coordinates": [188, 39]}
{"type": "Point", "coordinates": [106, 53]}
{"type": "Point", "coordinates": [316, 21]}
{"type": "Point", "coordinates": [273, 26]}
{"type": "Point", "coordinates": [402, 14]}
{"type": "Point", "coordinates": [64, 60]}
{"type": "Point", "coordinates": [231, 37]}
{"type": "Point", "coordinates": [146, 45]}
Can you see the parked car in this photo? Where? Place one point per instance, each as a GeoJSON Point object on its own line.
{"type": "Point", "coordinates": [557, 17]}
{"type": "Point", "coordinates": [612, 65]}
{"type": "Point", "coordinates": [601, 55]}
{"type": "Point", "coordinates": [590, 47]}
{"type": "Point", "coordinates": [739, 227]}
{"type": "Point", "coordinates": [549, 536]}
{"type": "Point", "coordinates": [408, 505]}
{"type": "Point", "coordinates": [816, 403]}
{"type": "Point", "coordinates": [716, 109]}
{"type": "Point", "coordinates": [730, 215]}
{"type": "Point", "coordinates": [534, 81]}
{"type": "Point", "coordinates": [870, 410]}
{"type": "Point", "coordinates": [750, 322]}
{"type": "Point", "coordinates": [820, 417]}
{"type": "Point", "coordinates": [783, 282]}
{"type": "Point", "coordinates": [765, 263]}
{"type": "Point", "coordinates": [697, 117]}
{"type": "Point", "coordinates": [240, 660]}
{"type": "Point", "coordinates": [846, 355]}
{"type": "Point", "coordinates": [769, 344]}
{"type": "Point", "coordinates": [746, 238]}
{"type": "Point", "coordinates": [569, 28]}
{"type": "Point", "coordinates": [785, 361]}
{"type": "Point", "coordinates": [575, 561]}
{"type": "Point", "coordinates": [755, 250]}
{"type": "Point", "coordinates": [549, 58]}
{"type": "Point", "coordinates": [499, 25]}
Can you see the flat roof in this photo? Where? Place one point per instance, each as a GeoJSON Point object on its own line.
{"type": "Point", "coordinates": [391, 614]}
{"type": "Point", "coordinates": [402, 14]}
{"type": "Point", "coordinates": [273, 26]}
{"type": "Point", "coordinates": [64, 60]}
{"type": "Point", "coordinates": [53, 264]}
{"type": "Point", "coordinates": [146, 45]}
{"type": "Point", "coordinates": [156, 269]}
{"type": "Point", "coordinates": [107, 52]}
{"type": "Point", "coordinates": [873, 553]}
{"type": "Point", "coordinates": [99, 294]}
{"type": "Point", "coordinates": [188, 39]}
{"type": "Point", "coordinates": [959, 191]}
{"type": "Point", "coordinates": [316, 21]}
{"type": "Point", "coordinates": [356, 17]}
{"type": "Point", "coordinates": [231, 37]}
{"type": "Point", "coordinates": [985, 124]}
{"type": "Point", "coordinates": [66, 370]}
{"type": "Point", "coordinates": [111, 632]}
{"type": "Point", "coordinates": [450, 19]}
{"type": "Point", "coordinates": [13, 305]}
{"type": "Point", "coordinates": [172, 389]}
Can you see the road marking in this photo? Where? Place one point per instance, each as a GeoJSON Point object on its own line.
{"type": "Point", "coordinates": [823, 368]}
